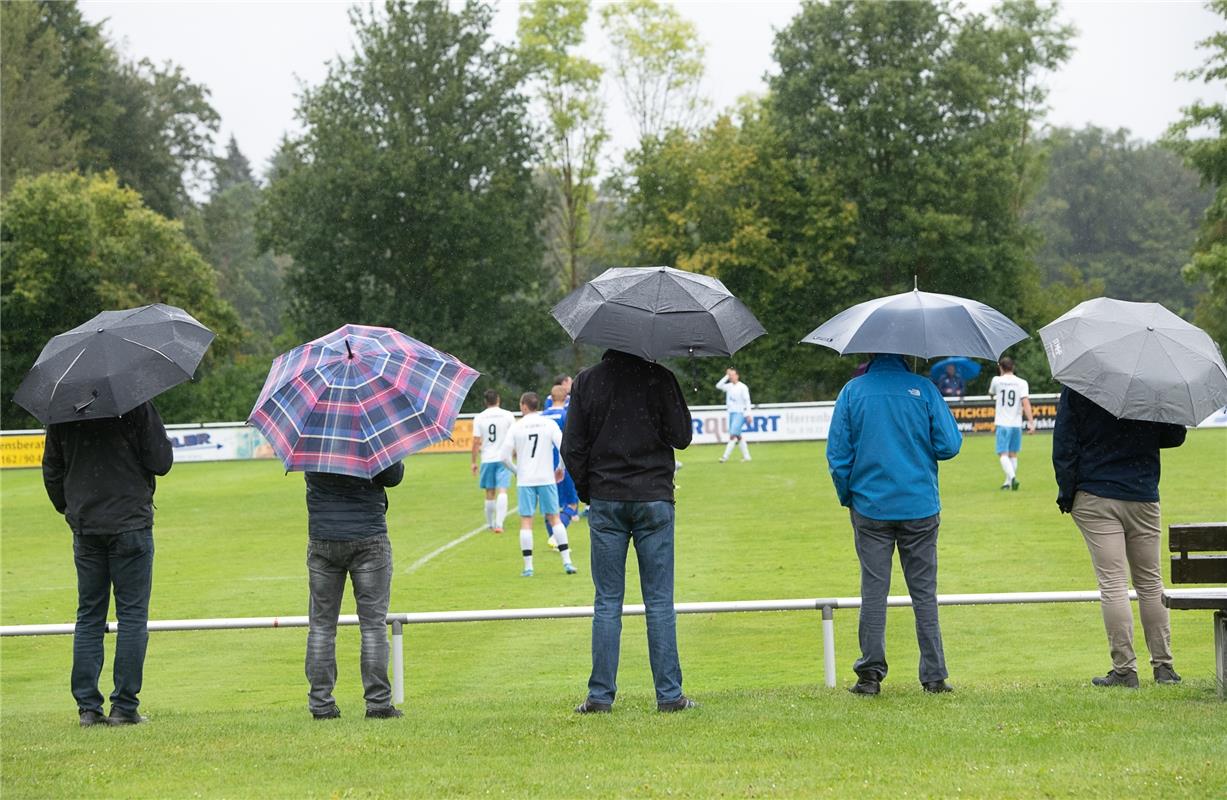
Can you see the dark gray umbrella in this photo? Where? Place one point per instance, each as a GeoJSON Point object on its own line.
{"type": "Point", "coordinates": [657, 312]}
{"type": "Point", "coordinates": [113, 363]}
{"type": "Point", "coordinates": [921, 324]}
{"type": "Point", "coordinates": [1137, 361]}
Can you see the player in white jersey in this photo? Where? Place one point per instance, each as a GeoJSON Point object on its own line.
{"type": "Point", "coordinates": [531, 444]}
{"type": "Point", "coordinates": [1013, 401]}
{"type": "Point", "coordinates": [490, 429]}
{"type": "Point", "coordinates": [737, 402]}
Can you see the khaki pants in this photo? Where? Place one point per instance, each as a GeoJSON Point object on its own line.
{"type": "Point", "coordinates": [1123, 538]}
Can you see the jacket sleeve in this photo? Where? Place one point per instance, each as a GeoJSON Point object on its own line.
{"type": "Point", "coordinates": [53, 471]}
{"type": "Point", "coordinates": [840, 455]}
{"type": "Point", "coordinates": [156, 453]}
{"type": "Point", "coordinates": [1065, 452]}
{"type": "Point", "coordinates": [392, 476]}
{"type": "Point", "coordinates": [1172, 435]}
{"type": "Point", "coordinates": [677, 428]}
{"type": "Point", "coordinates": [943, 430]}
{"type": "Point", "coordinates": [576, 445]}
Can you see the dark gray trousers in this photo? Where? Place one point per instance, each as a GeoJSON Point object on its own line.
{"type": "Point", "coordinates": [875, 545]}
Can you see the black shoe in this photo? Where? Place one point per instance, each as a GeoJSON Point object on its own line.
{"type": "Point", "coordinates": [1127, 679]}
{"type": "Point", "coordinates": [1163, 674]}
{"type": "Point", "coordinates": [866, 686]}
{"type": "Point", "coordinates": [122, 718]}
{"type": "Point", "coordinates": [1005, 487]}
{"type": "Point", "coordinates": [1014, 484]}
{"type": "Point", "coordinates": [91, 718]}
{"type": "Point", "coordinates": [592, 707]}
{"type": "Point", "coordinates": [937, 687]}
{"type": "Point", "coordinates": [391, 712]}
{"type": "Point", "coordinates": [332, 713]}
{"type": "Point", "coordinates": [680, 704]}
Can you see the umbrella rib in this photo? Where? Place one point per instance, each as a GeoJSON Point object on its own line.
{"type": "Point", "coordinates": [147, 347]}
{"type": "Point", "coordinates": [64, 374]}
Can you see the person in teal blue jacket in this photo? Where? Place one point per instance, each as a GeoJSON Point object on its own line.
{"type": "Point", "coordinates": [889, 430]}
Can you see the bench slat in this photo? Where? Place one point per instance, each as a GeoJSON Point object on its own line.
{"type": "Point", "coordinates": [1196, 599]}
{"type": "Point", "coordinates": [1199, 569]}
{"type": "Point", "coordinates": [1201, 536]}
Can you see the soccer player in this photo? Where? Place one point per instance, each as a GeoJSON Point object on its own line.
{"type": "Point", "coordinates": [531, 442]}
{"type": "Point", "coordinates": [1013, 401]}
{"type": "Point", "coordinates": [568, 500]}
{"type": "Point", "coordinates": [490, 429]}
{"type": "Point", "coordinates": [737, 396]}
{"type": "Point", "coordinates": [565, 382]}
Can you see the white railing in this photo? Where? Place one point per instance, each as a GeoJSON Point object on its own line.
{"type": "Point", "coordinates": [826, 605]}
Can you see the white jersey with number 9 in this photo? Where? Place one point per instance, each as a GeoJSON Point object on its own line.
{"type": "Point", "coordinates": [492, 426]}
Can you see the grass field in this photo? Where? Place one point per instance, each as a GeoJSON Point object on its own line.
{"type": "Point", "coordinates": [488, 706]}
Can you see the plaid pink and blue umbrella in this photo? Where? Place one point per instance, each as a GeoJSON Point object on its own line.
{"type": "Point", "coordinates": [358, 400]}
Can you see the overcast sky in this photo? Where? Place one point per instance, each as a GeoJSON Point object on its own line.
{"type": "Point", "coordinates": [254, 56]}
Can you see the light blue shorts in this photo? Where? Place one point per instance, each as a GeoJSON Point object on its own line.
{"type": "Point", "coordinates": [1009, 440]}
{"type": "Point", "coordinates": [494, 476]}
{"type": "Point", "coordinates": [737, 422]}
{"type": "Point", "coordinates": [531, 496]}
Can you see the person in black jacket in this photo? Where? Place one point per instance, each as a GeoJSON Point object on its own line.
{"type": "Point", "coordinates": [626, 418]}
{"type": "Point", "coordinates": [99, 474]}
{"type": "Point", "coordinates": [348, 536]}
{"type": "Point", "coordinates": [1108, 479]}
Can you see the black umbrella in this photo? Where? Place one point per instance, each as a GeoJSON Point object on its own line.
{"type": "Point", "coordinates": [113, 363]}
{"type": "Point", "coordinates": [657, 312]}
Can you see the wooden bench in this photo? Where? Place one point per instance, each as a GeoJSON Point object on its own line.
{"type": "Point", "coordinates": [1202, 558]}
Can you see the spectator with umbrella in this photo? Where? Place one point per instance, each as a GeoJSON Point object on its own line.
{"type": "Point", "coordinates": [346, 409]}
{"type": "Point", "coordinates": [1134, 375]}
{"type": "Point", "coordinates": [889, 429]}
{"type": "Point", "coordinates": [105, 446]}
{"type": "Point", "coordinates": [627, 416]}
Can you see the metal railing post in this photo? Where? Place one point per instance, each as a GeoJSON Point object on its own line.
{"type": "Point", "coordinates": [828, 645]}
{"type": "Point", "coordinates": [398, 663]}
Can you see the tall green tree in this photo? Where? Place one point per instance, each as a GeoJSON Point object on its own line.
{"type": "Point", "coordinates": [73, 246]}
{"type": "Point", "coordinates": [409, 200]}
{"type": "Point", "coordinates": [1207, 154]}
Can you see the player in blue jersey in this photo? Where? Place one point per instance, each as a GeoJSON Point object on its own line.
{"type": "Point", "coordinates": [568, 498]}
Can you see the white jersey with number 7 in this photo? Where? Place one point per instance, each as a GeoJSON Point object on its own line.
{"type": "Point", "coordinates": [532, 441]}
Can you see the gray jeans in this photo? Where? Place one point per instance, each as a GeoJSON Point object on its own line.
{"type": "Point", "coordinates": [875, 546]}
{"type": "Point", "coordinates": [368, 563]}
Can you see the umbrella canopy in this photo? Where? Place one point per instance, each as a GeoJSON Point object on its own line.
{"type": "Point", "coordinates": [1137, 361]}
{"type": "Point", "coordinates": [921, 324]}
{"type": "Point", "coordinates": [358, 400]}
{"type": "Point", "coordinates": [110, 365]}
{"type": "Point", "coordinates": [657, 312]}
{"type": "Point", "coordinates": [965, 367]}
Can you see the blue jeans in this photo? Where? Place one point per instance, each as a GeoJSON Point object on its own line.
{"type": "Point", "coordinates": [875, 545]}
{"type": "Point", "coordinates": [612, 525]}
{"type": "Point", "coordinates": [368, 564]}
{"type": "Point", "coordinates": [122, 562]}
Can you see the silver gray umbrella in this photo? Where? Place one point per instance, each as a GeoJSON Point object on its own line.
{"type": "Point", "coordinates": [657, 312]}
{"type": "Point", "coordinates": [1137, 361]}
{"type": "Point", "coordinates": [921, 324]}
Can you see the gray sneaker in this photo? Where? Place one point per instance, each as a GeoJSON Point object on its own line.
{"type": "Point", "coordinates": [1128, 679]}
{"type": "Point", "coordinates": [1165, 674]}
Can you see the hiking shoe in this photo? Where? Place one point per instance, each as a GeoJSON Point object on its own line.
{"type": "Point", "coordinates": [122, 718]}
{"type": "Point", "coordinates": [1165, 674]}
{"type": "Point", "coordinates": [1127, 679]}
{"type": "Point", "coordinates": [332, 713]}
{"type": "Point", "coordinates": [1014, 484]}
{"type": "Point", "coordinates": [390, 712]}
{"type": "Point", "coordinates": [937, 687]}
{"type": "Point", "coordinates": [91, 718]}
{"type": "Point", "coordinates": [680, 704]}
{"type": "Point", "coordinates": [569, 569]}
{"type": "Point", "coordinates": [592, 707]}
{"type": "Point", "coordinates": [867, 686]}
{"type": "Point", "coordinates": [528, 573]}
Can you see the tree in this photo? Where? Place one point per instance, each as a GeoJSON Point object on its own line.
{"type": "Point", "coordinates": [658, 63]}
{"type": "Point", "coordinates": [408, 201]}
{"type": "Point", "coordinates": [1208, 156]}
{"type": "Point", "coordinates": [73, 246]}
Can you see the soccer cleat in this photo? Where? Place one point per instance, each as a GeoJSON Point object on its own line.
{"type": "Point", "coordinates": [1165, 674]}
{"type": "Point", "coordinates": [527, 573]}
{"type": "Point", "coordinates": [497, 530]}
{"type": "Point", "coordinates": [553, 544]}
{"type": "Point", "coordinates": [1014, 484]}
{"type": "Point", "coordinates": [723, 460]}
{"type": "Point", "coordinates": [569, 569]}
{"type": "Point", "coordinates": [1128, 679]}
{"type": "Point", "coordinates": [1005, 487]}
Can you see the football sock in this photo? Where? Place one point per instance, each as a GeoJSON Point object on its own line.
{"type": "Point", "coordinates": [490, 520]}
{"type": "Point", "coordinates": [526, 546]}
{"type": "Point", "coordinates": [728, 450]}
{"type": "Point", "coordinates": [566, 515]}
{"type": "Point", "coordinates": [1014, 466]}
{"type": "Point", "coordinates": [745, 449]}
{"type": "Point", "coordinates": [500, 509]}
{"type": "Point", "coordinates": [1008, 467]}
{"type": "Point", "coordinates": [560, 536]}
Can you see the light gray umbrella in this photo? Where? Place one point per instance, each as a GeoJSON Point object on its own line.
{"type": "Point", "coordinates": [921, 324]}
{"type": "Point", "coordinates": [1137, 361]}
{"type": "Point", "coordinates": [657, 312]}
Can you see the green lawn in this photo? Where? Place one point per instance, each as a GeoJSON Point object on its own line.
{"type": "Point", "coordinates": [488, 704]}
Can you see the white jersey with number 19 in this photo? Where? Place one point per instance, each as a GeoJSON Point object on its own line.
{"type": "Point", "coordinates": [1009, 391]}
{"type": "Point", "coordinates": [532, 440]}
{"type": "Point", "coordinates": [492, 426]}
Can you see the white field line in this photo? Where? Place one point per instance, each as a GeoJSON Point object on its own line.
{"type": "Point", "coordinates": [438, 551]}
